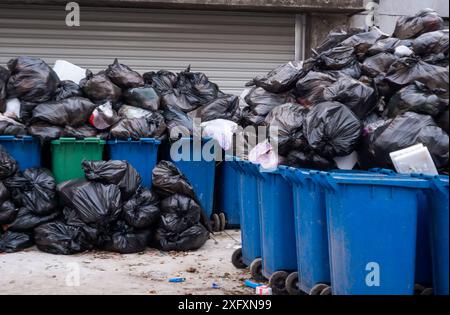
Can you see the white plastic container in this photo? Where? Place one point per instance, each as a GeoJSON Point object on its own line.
{"type": "Point", "coordinates": [68, 71]}
{"type": "Point", "coordinates": [415, 159]}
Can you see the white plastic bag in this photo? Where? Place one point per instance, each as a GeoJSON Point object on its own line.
{"type": "Point", "coordinates": [13, 108]}
{"type": "Point", "coordinates": [103, 117]}
{"type": "Point", "coordinates": [347, 162]}
{"type": "Point", "coordinates": [130, 112]}
{"type": "Point", "coordinates": [403, 51]}
{"type": "Point", "coordinates": [68, 71]}
{"type": "Point", "coordinates": [220, 130]}
{"type": "Point", "coordinates": [264, 155]}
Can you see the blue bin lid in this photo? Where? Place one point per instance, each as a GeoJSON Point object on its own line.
{"type": "Point", "coordinates": [141, 140]}
{"type": "Point", "coordinates": [378, 179]}
{"type": "Point", "coordinates": [14, 138]}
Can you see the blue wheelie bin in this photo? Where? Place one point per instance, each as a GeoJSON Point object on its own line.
{"type": "Point", "coordinates": [250, 253]}
{"type": "Point", "coordinates": [313, 275]}
{"type": "Point", "coordinates": [141, 154]}
{"type": "Point", "coordinates": [227, 201]}
{"type": "Point", "coordinates": [199, 171]}
{"type": "Point", "coordinates": [25, 150]}
{"type": "Point", "coordinates": [439, 232]}
{"type": "Point", "coordinates": [372, 230]}
{"type": "Point", "coordinates": [277, 229]}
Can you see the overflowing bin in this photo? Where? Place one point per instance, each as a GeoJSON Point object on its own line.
{"type": "Point", "coordinates": [26, 150]}
{"type": "Point", "coordinates": [227, 201]}
{"type": "Point", "coordinates": [141, 154]}
{"type": "Point", "coordinates": [68, 153]}
{"type": "Point", "coordinates": [250, 253]}
{"type": "Point", "coordinates": [372, 231]}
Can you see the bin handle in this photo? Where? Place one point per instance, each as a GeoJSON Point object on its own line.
{"type": "Point", "coordinates": [67, 140]}
{"type": "Point", "coordinates": [383, 171]}
{"type": "Point", "coordinates": [327, 181]}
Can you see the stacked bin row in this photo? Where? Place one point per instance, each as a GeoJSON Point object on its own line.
{"type": "Point", "coordinates": [354, 233]}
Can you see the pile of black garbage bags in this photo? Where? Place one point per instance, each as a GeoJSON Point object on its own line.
{"type": "Point", "coordinates": [116, 103]}
{"type": "Point", "coordinates": [108, 210]}
{"type": "Point", "coordinates": [360, 91]}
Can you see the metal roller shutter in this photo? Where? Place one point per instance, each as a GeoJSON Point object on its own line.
{"type": "Point", "coordinates": [230, 47]}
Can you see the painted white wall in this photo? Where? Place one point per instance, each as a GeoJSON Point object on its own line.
{"type": "Point", "coordinates": [389, 11]}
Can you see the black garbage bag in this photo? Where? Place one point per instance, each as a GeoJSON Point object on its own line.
{"type": "Point", "coordinates": [4, 76]}
{"type": "Point", "coordinates": [8, 166]}
{"type": "Point", "coordinates": [167, 180]}
{"type": "Point", "coordinates": [418, 98]}
{"type": "Point", "coordinates": [335, 38]}
{"type": "Point", "coordinates": [60, 239]}
{"type": "Point", "coordinates": [288, 119]}
{"type": "Point", "coordinates": [178, 213]}
{"type": "Point", "coordinates": [309, 89]}
{"type": "Point", "coordinates": [96, 204]}
{"type": "Point", "coordinates": [442, 121]}
{"type": "Point", "coordinates": [142, 209]}
{"type": "Point", "coordinates": [26, 111]}
{"type": "Point", "coordinates": [8, 212]}
{"type": "Point", "coordinates": [220, 108]}
{"type": "Point", "coordinates": [352, 70]}
{"type": "Point", "coordinates": [162, 81]}
{"type": "Point", "coordinates": [334, 59]}
{"type": "Point", "coordinates": [362, 42]}
{"type": "Point", "coordinates": [12, 242]}
{"type": "Point", "coordinates": [84, 131]}
{"type": "Point", "coordinates": [177, 122]}
{"type": "Point", "coordinates": [34, 189]}
{"type": "Point", "coordinates": [143, 97]}
{"type": "Point", "coordinates": [190, 239]}
{"type": "Point", "coordinates": [440, 60]}
{"type": "Point", "coordinates": [99, 88]}
{"type": "Point", "coordinates": [357, 96]}
{"type": "Point", "coordinates": [405, 71]}
{"type": "Point", "coordinates": [309, 159]}
{"type": "Point", "coordinates": [4, 193]}
{"type": "Point", "coordinates": [136, 128]}
{"type": "Point", "coordinates": [96, 235]}
{"type": "Point", "coordinates": [197, 87]}
{"type": "Point", "coordinates": [126, 240]}
{"type": "Point", "coordinates": [424, 21]}
{"type": "Point", "coordinates": [73, 111]}
{"type": "Point", "coordinates": [31, 80]}
{"type": "Point", "coordinates": [386, 45]}
{"type": "Point", "coordinates": [67, 89]}
{"type": "Point", "coordinates": [177, 99]}
{"type": "Point", "coordinates": [402, 132]}
{"type": "Point", "coordinates": [27, 220]}
{"type": "Point", "coordinates": [332, 129]}
{"type": "Point", "coordinates": [130, 112]}
{"type": "Point", "coordinates": [122, 76]}
{"type": "Point", "coordinates": [45, 132]}
{"type": "Point", "coordinates": [113, 172]}
{"type": "Point", "coordinates": [281, 79]}
{"type": "Point", "coordinates": [431, 43]}
{"type": "Point", "coordinates": [261, 102]}
{"type": "Point", "coordinates": [378, 64]}
{"type": "Point", "coordinates": [9, 126]}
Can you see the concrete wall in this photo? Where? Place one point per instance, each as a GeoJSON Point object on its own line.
{"type": "Point", "coordinates": [389, 11]}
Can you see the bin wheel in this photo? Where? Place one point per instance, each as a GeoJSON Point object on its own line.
{"type": "Point", "coordinates": [418, 289]}
{"type": "Point", "coordinates": [256, 270]}
{"type": "Point", "coordinates": [215, 222]}
{"type": "Point", "coordinates": [222, 220]}
{"type": "Point", "coordinates": [326, 291]}
{"type": "Point", "coordinates": [236, 259]}
{"type": "Point", "coordinates": [427, 291]}
{"type": "Point", "coordinates": [277, 282]}
{"type": "Point", "coordinates": [317, 289]}
{"type": "Point", "coordinates": [292, 284]}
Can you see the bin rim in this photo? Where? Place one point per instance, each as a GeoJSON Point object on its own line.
{"type": "Point", "coordinates": [437, 182]}
{"type": "Point", "coordinates": [75, 140]}
{"type": "Point", "coordinates": [296, 175]}
{"type": "Point", "coordinates": [130, 140]}
{"type": "Point", "coordinates": [334, 179]}
{"type": "Point", "coordinates": [16, 138]}
{"type": "Point", "coordinates": [249, 168]}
